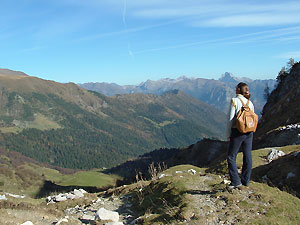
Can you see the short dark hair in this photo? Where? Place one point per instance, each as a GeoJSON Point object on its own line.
{"type": "Point", "coordinates": [241, 84]}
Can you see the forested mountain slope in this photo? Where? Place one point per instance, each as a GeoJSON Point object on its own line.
{"type": "Point", "coordinates": [68, 126]}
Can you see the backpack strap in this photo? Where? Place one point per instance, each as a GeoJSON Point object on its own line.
{"type": "Point", "coordinates": [245, 105]}
{"type": "Point", "coordinates": [243, 102]}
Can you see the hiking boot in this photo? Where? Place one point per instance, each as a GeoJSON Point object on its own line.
{"type": "Point", "coordinates": [246, 185]}
{"type": "Point", "coordinates": [243, 187]}
{"type": "Point", "coordinates": [231, 187]}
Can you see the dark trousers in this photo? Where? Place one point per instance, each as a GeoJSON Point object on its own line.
{"type": "Point", "coordinates": [244, 142]}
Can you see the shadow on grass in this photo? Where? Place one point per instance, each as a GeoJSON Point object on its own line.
{"type": "Point", "coordinates": [199, 192]}
{"type": "Point", "coordinates": [202, 154]}
{"type": "Point", "coordinates": [49, 187]}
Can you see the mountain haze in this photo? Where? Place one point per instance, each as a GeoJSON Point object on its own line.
{"type": "Point", "coordinates": [214, 92]}
{"type": "Point", "coordinates": [68, 126]}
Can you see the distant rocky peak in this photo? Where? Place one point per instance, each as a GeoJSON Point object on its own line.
{"type": "Point", "coordinates": [165, 80]}
{"type": "Point", "coordinates": [183, 78]}
{"type": "Point", "coordinates": [228, 78]}
{"type": "Point", "coordinates": [145, 85]}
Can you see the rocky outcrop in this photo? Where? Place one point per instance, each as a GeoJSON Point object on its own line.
{"type": "Point", "coordinates": [282, 172]}
{"type": "Point", "coordinates": [66, 196]}
{"type": "Point", "coordinates": [282, 106]}
{"type": "Point", "coordinates": [106, 209]}
{"type": "Point", "coordinates": [104, 214]}
{"type": "Point", "coordinates": [282, 136]}
{"type": "Point", "coordinates": [274, 154]}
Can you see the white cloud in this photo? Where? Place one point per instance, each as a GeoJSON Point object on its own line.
{"type": "Point", "coordinates": [248, 20]}
{"type": "Point", "coordinates": [287, 55]}
{"type": "Point", "coordinates": [225, 13]}
{"type": "Point", "coordinates": [216, 13]}
{"type": "Point", "coordinates": [261, 36]}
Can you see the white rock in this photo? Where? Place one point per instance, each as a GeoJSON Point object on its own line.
{"type": "Point", "coordinates": [64, 220]}
{"type": "Point", "coordinates": [48, 199]}
{"type": "Point", "coordinates": [70, 196]}
{"type": "Point", "coordinates": [290, 175]}
{"type": "Point", "coordinates": [78, 193]}
{"type": "Point", "coordinates": [161, 176]}
{"type": "Point", "coordinates": [104, 214]}
{"type": "Point", "coordinates": [2, 197]}
{"type": "Point", "coordinates": [178, 172]}
{"type": "Point", "coordinates": [225, 181]}
{"type": "Point", "coordinates": [82, 191]}
{"type": "Point", "coordinates": [274, 154]}
{"type": "Point", "coordinates": [88, 217]}
{"type": "Point", "coordinates": [192, 171]}
{"type": "Point", "coordinates": [60, 198]}
{"type": "Point", "coordinates": [114, 223]}
{"type": "Point", "coordinates": [15, 196]}
{"type": "Point", "coordinates": [27, 223]}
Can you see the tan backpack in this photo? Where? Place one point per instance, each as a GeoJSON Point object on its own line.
{"type": "Point", "coordinates": [246, 119]}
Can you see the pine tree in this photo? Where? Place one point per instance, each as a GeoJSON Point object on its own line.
{"type": "Point", "coordinates": [290, 64]}
{"type": "Point", "coordinates": [266, 92]}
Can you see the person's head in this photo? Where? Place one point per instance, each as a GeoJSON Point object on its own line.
{"type": "Point", "coordinates": [243, 89]}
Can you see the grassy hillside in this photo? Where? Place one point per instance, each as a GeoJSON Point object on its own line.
{"type": "Point", "coordinates": [184, 198]}
{"type": "Point", "coordinates": [180, 197]}
{"type": "Point", "coordinates": [67, 126]}
{"type": "Point", "coordinates": [277, 171]}
{"type": "Point", "coordinates": [22, 175]}
{"type": "Point", "coordinates": [177, 197]}
{"type": "Point", "coordinates": [212, 155]}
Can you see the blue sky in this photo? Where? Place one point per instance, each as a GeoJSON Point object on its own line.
{"type": "Point", "coordinates": [130, 41]}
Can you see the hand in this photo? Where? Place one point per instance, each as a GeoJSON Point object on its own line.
{"type": "Point", "coordinates": [228, 139]}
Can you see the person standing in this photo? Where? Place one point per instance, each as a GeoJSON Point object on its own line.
{"type": "Point", "coordinates": [238, 140]}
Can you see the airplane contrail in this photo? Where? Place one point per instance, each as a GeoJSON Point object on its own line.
{"type": "Point", "coordinates": [130, 53]}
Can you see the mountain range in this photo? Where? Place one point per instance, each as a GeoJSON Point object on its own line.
{"type": "Point", "coordinates": [68, 126]}
{"type": "Point", "coordinates": [167, 185]}
{"type": "Point", "coordinates": [214, 92]}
